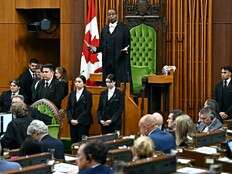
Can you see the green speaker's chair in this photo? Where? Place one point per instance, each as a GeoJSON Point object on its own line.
{"type": "Point", "coordinates": [142, 55]}
{"type": "Point", "coordinates": [47, 107]}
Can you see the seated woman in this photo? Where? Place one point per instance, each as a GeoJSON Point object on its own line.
{"type": "Point", "coordinates": [183, 130]}
{"type": "Point", "coordinates": [143, 148]}
{"type": "Point", "coordinates": [16, 131]}
{"type": "Point", "coordinates": [30, 146]}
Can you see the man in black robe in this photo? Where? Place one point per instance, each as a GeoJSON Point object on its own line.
{"type": "Point", "coordinates": [114, 45]}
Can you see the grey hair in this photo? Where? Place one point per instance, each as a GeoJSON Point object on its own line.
{"type": "Point", "coordinates": [18, 96]}
{"type": "Point", "coordinates": [38, 127]}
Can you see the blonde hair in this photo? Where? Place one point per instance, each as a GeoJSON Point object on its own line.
{"type": "Point", "coordinates": [184, 127]}
{"type": "Point", "coordinates": [143, 147]}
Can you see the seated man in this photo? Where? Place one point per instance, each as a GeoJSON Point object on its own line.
{"type": "Point", "coordinates": [7, 165]}
{"type": "Point", "coordinates": [208, 120]}
{"type": "Point", "coordinates": [39, 131]}
{"type": "Point", "coordinates": [92, 158]}
{"type": "Point", "coordinates": [163, 141]}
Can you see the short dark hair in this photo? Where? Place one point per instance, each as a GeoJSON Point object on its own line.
{"type": "Point", "coordinates": [208, 111]}
{"type": "Point", "coordinates": [211, 103]}
{"type": "Point", "coordinates": [227, 67]}
{"type": "Point", "coordinates": [33, 60]}
{"type": "Point", "coordinates": [111, 77]}
{"type": "Point", "coordinates": [176, 113]}
{"type": "Point", "coordinates": [17, 82]}
{"type": "Point", "coordinates": [95, 150]}
{"type": "Point", "coordinates": [83, 78]}
{"type": "Point", "coordinates": [49, 66]}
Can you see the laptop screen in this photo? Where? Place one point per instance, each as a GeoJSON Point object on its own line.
{"type": "Point", "coordinates": [5, 119]}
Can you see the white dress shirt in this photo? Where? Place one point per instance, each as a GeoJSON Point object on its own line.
{"type": "Point", "coordinates": [78, 93]}
{"type": "Point", "coordinates": [111, 92]}
{"type": "Point", "coordinates": [112, 26]}
{"type": "Point", "coordinates": [48, 81]}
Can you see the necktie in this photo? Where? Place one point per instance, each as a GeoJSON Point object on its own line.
{"type": "Point", "coordinates": [33, 75]}
{"type": "Point", "coordinates": [46, 84]}
{"type": "Point", "coordinates": [225, 83]}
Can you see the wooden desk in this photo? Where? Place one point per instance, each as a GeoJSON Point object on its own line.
{"type": "Point", "coordinates": [165, 83]}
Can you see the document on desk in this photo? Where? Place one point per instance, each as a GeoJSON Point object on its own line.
{"type": "Point", "coordinates": [62, 168]}
{"type": "Point", "coordinates": [69, 158]}
{"type": "Point", "coordinates": [206, 150]}
{"type": "Point", "coordinates": [191, 170]}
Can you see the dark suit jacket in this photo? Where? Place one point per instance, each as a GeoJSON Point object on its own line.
{"type": "Point", "coordinates": [48, 142]}
{"type": "Point", "coordinates": [111, 109]}
{"type": "Point", "coordinates": [216, 124]}
{"type": "Point", "coordinates": [5, 100]}
{"type": "Point", "coordinates": [101, 169]}
{"type": "Point", "coordinates": [16, 132]}
{"type": "Point", "coordinates": [55, 92]}
{"type": "Point", "coordinates": [223, 95]}
{"type": "Point", "coordinates": [163, 141]}
{"type": "Point", "coordinates": [114, 61]}
{"type": "Point", "coordinates": [81, 109]}
{"type": "Point", "coordinates": [26, 81]}
{"type": "Point", "coordinates": [35, 114]}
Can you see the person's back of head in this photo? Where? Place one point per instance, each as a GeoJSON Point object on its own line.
{"type": "Point", "coordinates": [184, 127]}
{"type": "Point", "coordinates": [159, 119]}
{"type": "Point", "coordinates": [147, 123]}
{"type": "Point", "coordinates": [143, 147]}
{"type": "Point", "coordinates": [19, 109]}
{"type": "Point", "coordinates": [37, 129]}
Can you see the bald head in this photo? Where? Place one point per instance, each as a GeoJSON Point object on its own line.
{"type": "Point", "coordinates": [147, 123]}
{"type": "Point", "coordinates": [159, 119]}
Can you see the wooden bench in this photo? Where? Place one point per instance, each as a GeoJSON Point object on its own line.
{"type": "Point", "coordinates": [34, 169]}
{"type": "Point", "coordinates": [114, 144]}
{"type": "Point", "coordinates": [211, 138]}
{"type": "Point", "coordinates": [161, 165]}
{"type": "Point", "coordinates": [32, 159]}
{"type": "Point", "coordinates": [124, 154]}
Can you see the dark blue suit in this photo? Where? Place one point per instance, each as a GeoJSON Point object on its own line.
{"type": "Point", "coordinates": [49, 142]}
{"type": "Point", "coordinates": [101, 169]}
{"type": "Point", "coordinates": [163, 141]}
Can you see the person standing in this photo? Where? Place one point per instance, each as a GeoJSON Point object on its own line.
{"type": "Point", "coordinates": [79, 110]}
{"type": "Point", "coordinates": [26, 79]}
{"type": "Point", "coordinates": [114, 45]}
{"type": "Point", "coordinates": [49, 87]}
{"type": "Point", "coordinates": [110, 107]}
{"type": "Point", "coordinates": [223, 93]}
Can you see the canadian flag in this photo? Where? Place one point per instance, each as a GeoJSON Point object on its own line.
{"type": "Point", "coordinates": [90, 63]}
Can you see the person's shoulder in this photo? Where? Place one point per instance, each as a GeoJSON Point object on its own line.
{"type": "Point", "coordinates": [7, 165]}
{"type": "Point", "coordinates": [101, 169]}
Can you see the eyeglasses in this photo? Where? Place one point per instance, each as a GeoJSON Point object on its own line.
{"type": "Point", "coordinates": [223, 72]}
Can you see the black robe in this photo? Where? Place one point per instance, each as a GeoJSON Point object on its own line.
{"type": "Point", "coordinates": [114, 61]}
{"type": "Point", "coordinates": [223, 95]}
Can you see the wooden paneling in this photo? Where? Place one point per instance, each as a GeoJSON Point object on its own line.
{"type": "Point", "coordinates": [222, 36]}
{"type": "Point", "coordinates": [71, 43]}
{"type": "Point", "coordinates": [189, 47]}
{"type": "Point", "coordinates": [30, 4]}
{"type": "Point", "coordinates": [7, 54]}
{"type": "Point", "coordinates": [72, 11]}
{"type": "Point", "coordinates": [7, 11]}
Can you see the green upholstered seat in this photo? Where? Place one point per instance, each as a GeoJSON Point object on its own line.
{"type": "Point", "coordinates": [47, 107]}
{"type": "Point", "coordinates": [142, 55]}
